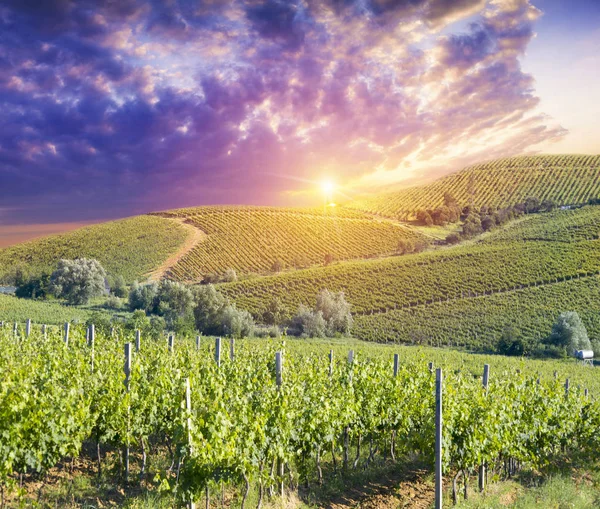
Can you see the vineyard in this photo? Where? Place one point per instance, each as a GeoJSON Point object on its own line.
{"type": "Point", "coordinates": [477, 323]}
{"type": "Point", "coordinates": [565, 179]}
{"type": "Point", "coordinates": [128, 247]}
{"type": "Point", "coordinates": [255, 239]}
{"type": "Point", "coordinates": [235, 420]}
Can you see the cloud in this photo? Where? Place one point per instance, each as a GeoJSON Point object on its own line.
{"type": "Point", "coordinates": [113, 108]}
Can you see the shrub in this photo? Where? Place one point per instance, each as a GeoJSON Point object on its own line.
{"type": "Point", "coordinates": [569, 334]}
{"type": "Point", "coordinates": [230, 276]}
{"type": "Point", "coordinates": [453, 238]}
{"type": "Point", "coordinates": [78, 281]}
{"type": "Point", "coordinates": [118, 288]}
{"type": "Point", "coordinates": [309, 323]}
{"type": "Point", "coordinates": [143, 296]}
{"type": "Point", "coordinates": [335, 311]}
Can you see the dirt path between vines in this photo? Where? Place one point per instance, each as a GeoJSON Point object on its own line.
{"type": "Point", "coordinates": [195, 236]}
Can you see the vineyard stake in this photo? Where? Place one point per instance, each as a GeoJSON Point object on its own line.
{"type": "Point", "coordinates": [231, 349]}
{"type": "Point", "coordinates": [438, 438]}
{"type": "Point", "coordinates": [430, 365]}
{"type": "Point", "coordinates": [127, 372]}
{"type": "Point", "coordinates": [330, 362]}
{"type": "Point", "coordinates": [67, 328]}
{"type": "Point", "coordinates": [218, 351]}
{"type": "Point", "coordinates": [15, 328]}
{"type": "Point", "coordinates": [188, 407]}
{"type": "Point", "coordinates": [279, 381]}
{"type": "Point", "coordinates": [396, 363]}
{"type": "Point", "coordinates": [197, 342]}
{"type": "Point", "coordinates": [171, 343]}
{"type": "Point", "coordinates": [567, 386]}
{"type": "Point", "coordinates": [486, 379]}
{"type": "Point", "coordinates": [138, 340]}
{"type": "Point", "coordinates": [350, 362]}
{"type": "Point", "coordinates": [44, 331]}
{"type": "Point", "coordinates": [28, 327]}
{"type": "Point", "coordinates": [91, 341]}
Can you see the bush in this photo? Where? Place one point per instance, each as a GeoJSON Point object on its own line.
{"type": "Point", "coordinates": [511, 344]}
{"type": "Point", "coordinates": [569, 334]}
{"type": "Point", "coordinates": [236, 322]}
{"type": "Point", "coordinates": [309, 323]}
{"type": "Point", "coordinates": [275, 313]}
{"type": "Point", "coordinates": [34, 288]}
{"type": "Point", "coordinates": [118, 288]}
{"type": "Point", "coordinates": [142, 296]}
{"type": "Point", "coordinates": [405, 246]}
{"type": "Point", "coordinates": [79, 280]}
{"type": "Point", "coordinates": [453, 238]}
{"type": "Point", "coordinates": [230, 276]}
{"type": "Point", "coordinates": [335, 311]}
{"type": "Point", "coordinates": [113, 302]}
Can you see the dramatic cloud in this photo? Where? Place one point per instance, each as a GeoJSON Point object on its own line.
{"type": "Point", "coordinates": [114, 108]}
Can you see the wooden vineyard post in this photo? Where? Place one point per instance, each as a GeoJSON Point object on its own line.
{"type": "Point", "coordinates": [44, 333]}
{"type": "Point", "coordinates": [231, 349]}
{"type": "Point", "coordinates": [330, 362]}
{"type": "Point", "coordinates": [127, 372]}
{"type": "Point", "coordinates": [171, 343]}
{"type": "Point", "coordinates": [430, 365]}
{"type": "Point", "coordinates": [91, 341]}
{"type": "Point", "coordinates": [396, 364]}
{"type": "Point", "coordinates": [188, 408]}
{"type": "Point", "coordinates": [438, 438]}
{"type": "Point", "coordinates": [567, 386]}
{"type": "Point", "coordinates": [197, 342]}
{"type": "Point", "coordinates": [28, 327]}
{"type": "Point", "coordinates": [15, 328]}
{"type": "Point", "coordinates": [67, 328]}
{"type": "Point", "coordinates": [486, 379]}
{"type": "Point", "coordinates": [279, 382]}
{"type": "Point", "coordinates": [218, 351]}
{"type": "Point", "coordinates": [138, 340]}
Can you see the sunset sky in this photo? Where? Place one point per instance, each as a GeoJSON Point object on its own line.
{"type": "Point", "coordinates": [114, 108]}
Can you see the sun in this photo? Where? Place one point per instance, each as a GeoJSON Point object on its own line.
{"type": "Point", "coordinates": [328, 187]}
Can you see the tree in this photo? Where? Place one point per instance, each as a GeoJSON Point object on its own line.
{"type": "Point", "coordinates": [405, 246]}
{"type": "Point", "coordinates": [230, 276]}
{"type": "Point", "coordinates": [309, 323]}
{"type": "Point", "coordinates": [335, 311]}
{"type": "Point", "coordinates": [208, 309]}
{"type": "Point", "coordinates": [277, 266]}
{"type": "Point", "coordinates": [34, 288]}
{"type": "Point", "coordinates": [143, 297]}
{"type": "Point", "coordinates": [118, 288]}
{"type": "Point", "coordinates": [173, 300]}
{"type": "Point", "coordinates": [487, 223]}
{"type": "Point", "coordinates": [531, 205]}
{"type": "Point", "coordinates": [510, 343]}
{"type": "Point", "coordinates": [236, 322]}
{"type": "Point", "coordinates": [78, 281]}
{"type": "Point", "coordinates": [548, 205]}
{"type": "Point", "coordinates": [453, 238]}
{"type": "Point", "coordinates": [328, 259]}
{"type": "Point", "coordinates": [424, 217]}
{"type": "Point", "coordinates": [569, 333]}
{"type": "Point", "coordinates": [472, 226]}
{"type": "Point", "coordinates": [275, 312]}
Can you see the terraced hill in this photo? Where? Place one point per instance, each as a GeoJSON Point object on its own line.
{"type": "Point", "coordinates": [255, 239]}
{"type": "Point", "coordinates": [451, 294]}
{"type": "Point", "coordinates": [128, 247]}
{"type": "Point", "coordinates": [565, 179]}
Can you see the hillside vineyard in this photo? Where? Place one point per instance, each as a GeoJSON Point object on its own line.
{"type": "Point", "coordinates": [565, 179]}
{"type": "Point", "coordinates": [529, 254]}
{"type": "Point", "coordinates": [254, 239]}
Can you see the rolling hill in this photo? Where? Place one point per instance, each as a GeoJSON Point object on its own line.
{"type": "Point", "coordinates": [129, 247]}
{"type": "Point", "coordinates": [254, 239]}
{"type": "Point", "coordinates": [565, 179]}
{"type": "Point", "coordinates": [464, 294]}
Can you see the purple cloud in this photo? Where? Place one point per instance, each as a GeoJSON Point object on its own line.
{"type": "Point", "coordinates": [115, 108]}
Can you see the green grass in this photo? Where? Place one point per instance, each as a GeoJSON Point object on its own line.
{"type": "Point", "coordinates": [51, 312]}
{"type": "Point", "coordinates": [129, 247]}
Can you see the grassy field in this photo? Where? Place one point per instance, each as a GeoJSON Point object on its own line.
{"type": "Point", "coordinates": [566, 179]}
{"type": "Point", "coordinates": [128, 247]}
